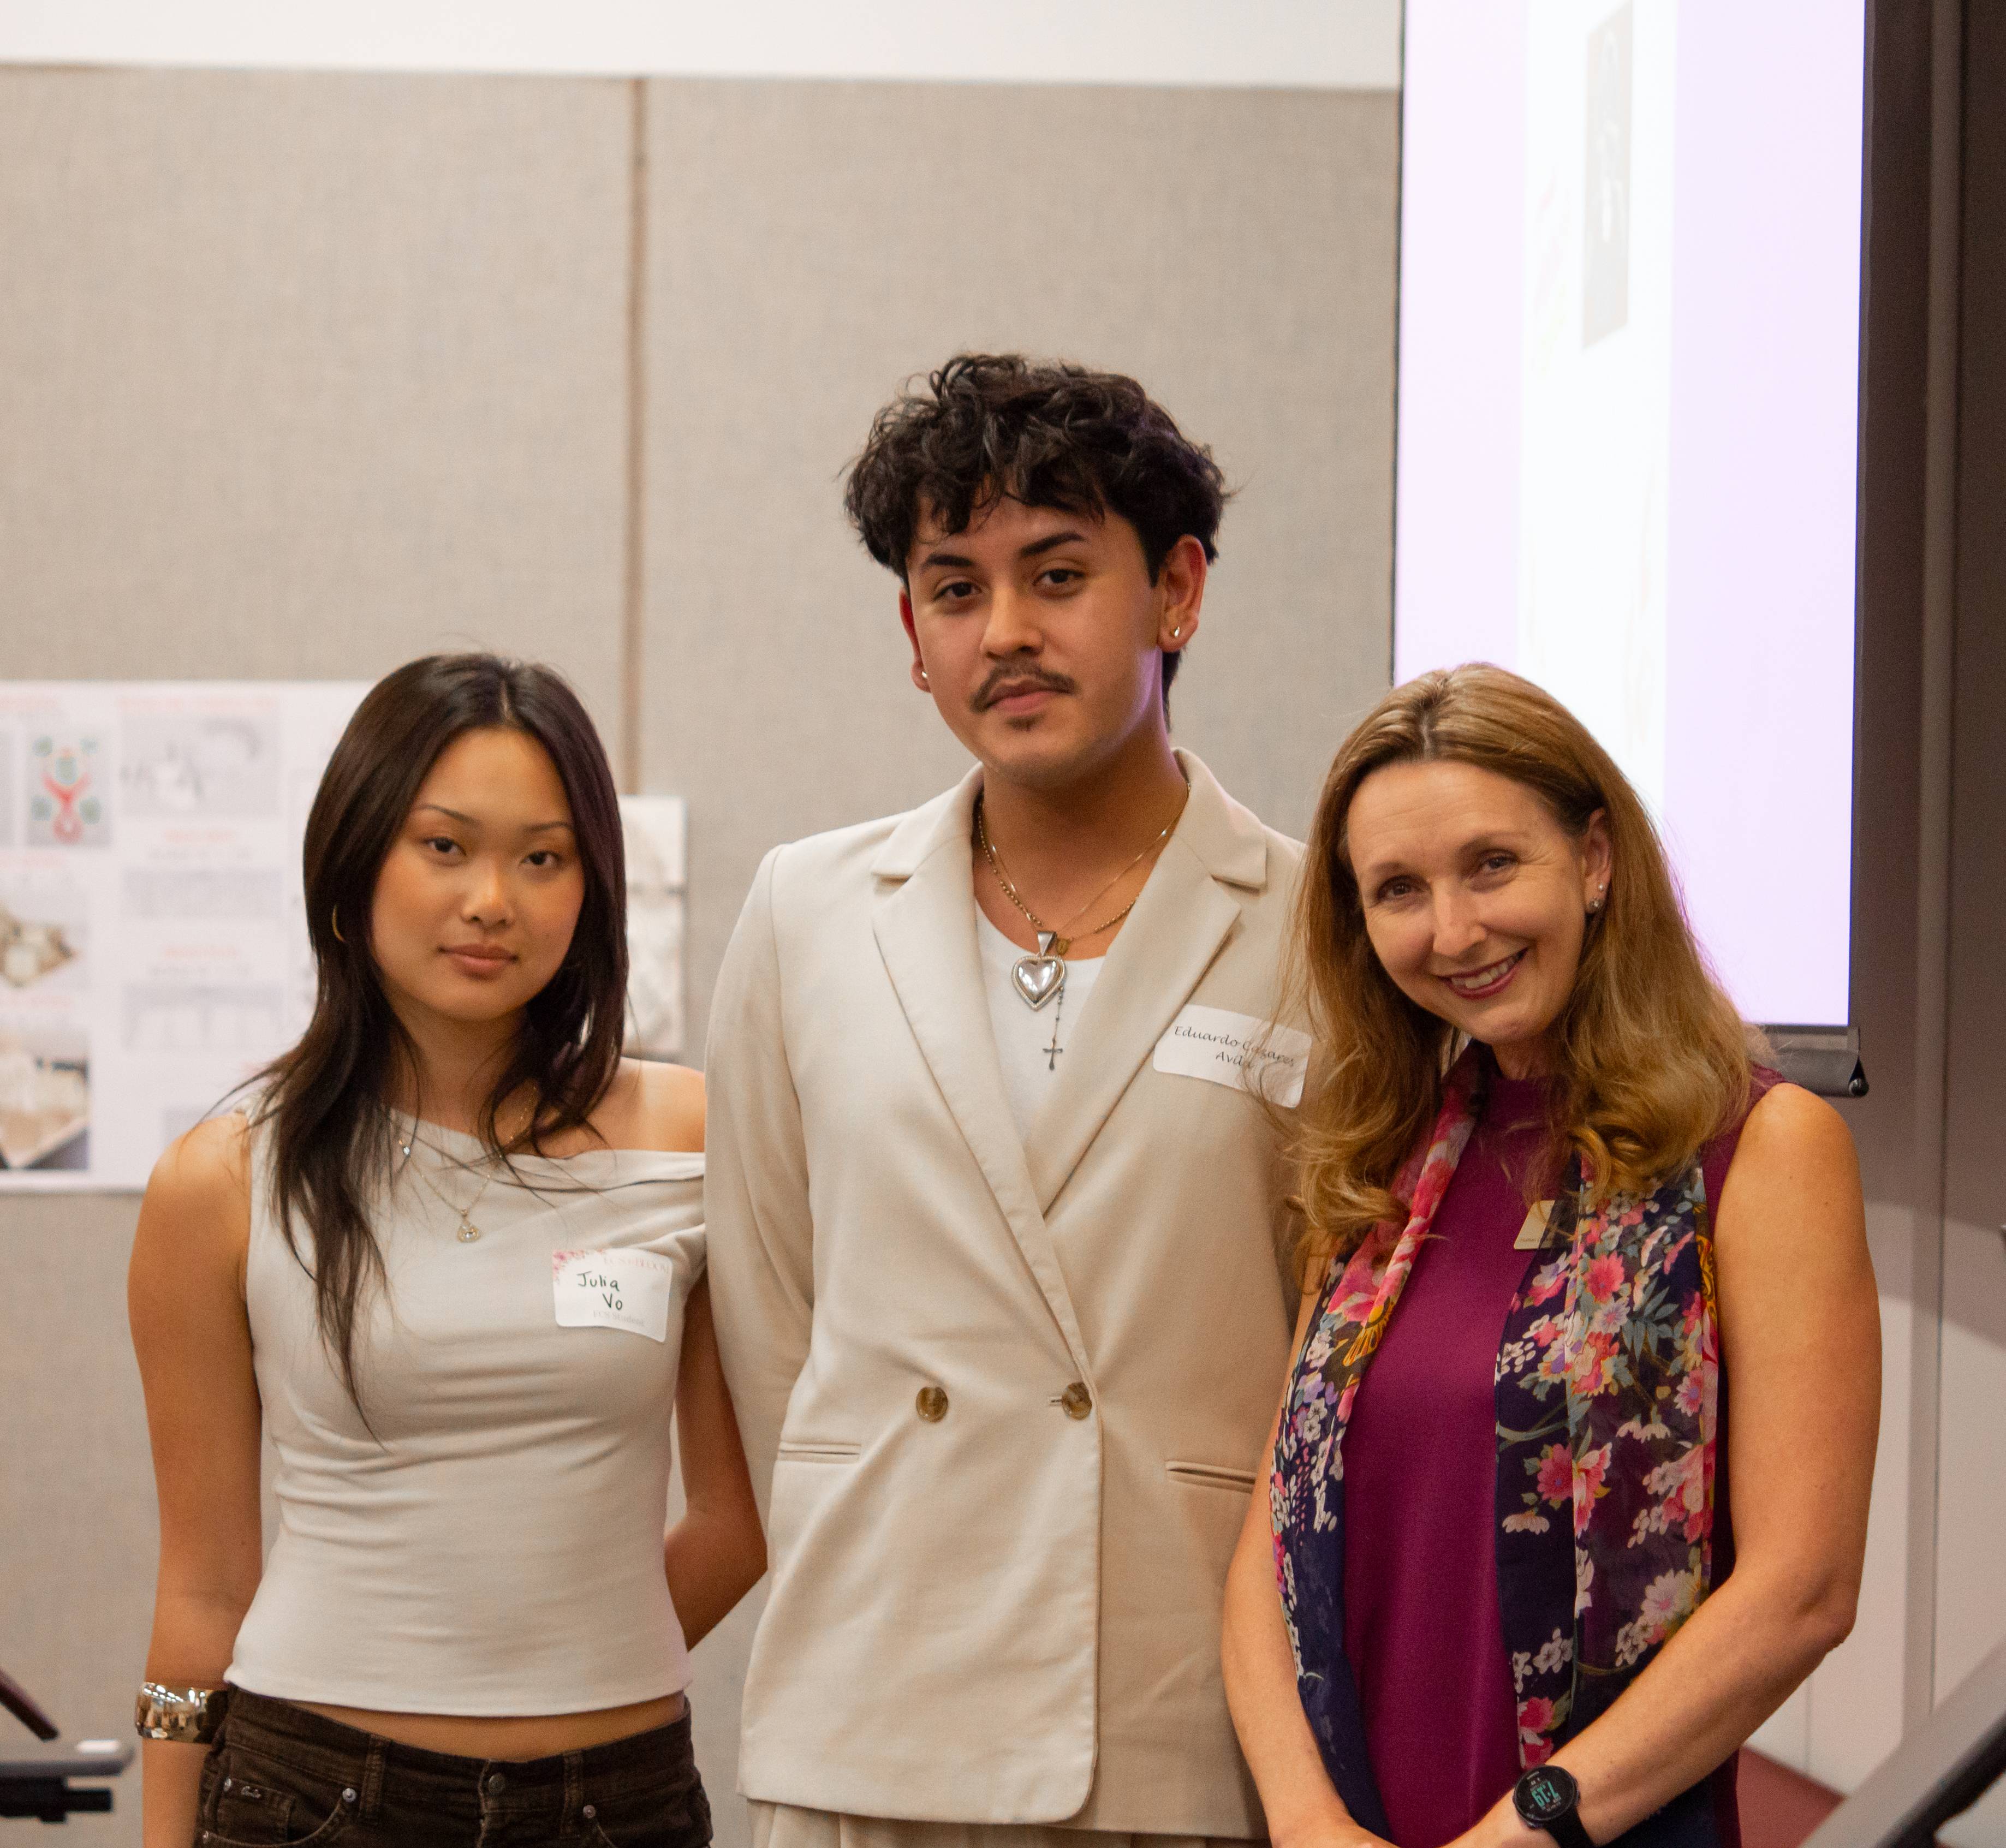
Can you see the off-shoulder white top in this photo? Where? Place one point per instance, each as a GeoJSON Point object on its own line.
{"type": "Point", "coordinates": [489, 1541]}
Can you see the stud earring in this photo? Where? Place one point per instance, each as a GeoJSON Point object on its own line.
{"type": "Point", "coordinates": [924, 681]}
{"type": "Point", "coordinates": [1178, 630]}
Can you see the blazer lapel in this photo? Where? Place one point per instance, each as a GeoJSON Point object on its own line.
{"type": "Point", "coordinates": [1185, 913]}
{"type": "Point", "coordinates": [924, 922]}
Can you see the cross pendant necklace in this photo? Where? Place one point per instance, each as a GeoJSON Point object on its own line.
{"type": "Point", "coordinates": [1052, 1051]}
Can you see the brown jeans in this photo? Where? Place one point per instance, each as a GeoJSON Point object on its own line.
{"type": "Point", "coordinates": [278, 1774]}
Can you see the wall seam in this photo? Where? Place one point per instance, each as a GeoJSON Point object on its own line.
{"type": "Point", "coordinates": [633, 576]}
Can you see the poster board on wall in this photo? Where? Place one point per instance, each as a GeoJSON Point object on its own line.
{"type": "Point", "coordinates": [153, 950]}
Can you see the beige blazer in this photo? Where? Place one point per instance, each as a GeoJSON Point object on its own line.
{"type": "Point", "coordinates": [1003, 1398]}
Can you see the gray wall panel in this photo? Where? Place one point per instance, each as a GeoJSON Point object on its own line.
{"type": "Point", "coordinates": [811, 245]}
{"type": "Point", "coordinates": [78, 1536]}
{"type": "Point", "coordinates": [302, 376]}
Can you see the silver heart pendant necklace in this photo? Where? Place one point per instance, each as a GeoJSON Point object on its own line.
{"type": "Point", "coordinates": [1041, 977]}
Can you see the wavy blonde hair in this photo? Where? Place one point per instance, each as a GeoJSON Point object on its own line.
{"type": "Point", "coordinates": [1651, 1060]}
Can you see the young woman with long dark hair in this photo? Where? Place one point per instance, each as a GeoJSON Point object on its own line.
{"type": "Point", "coordinates": [448, 1258]}
{"type": "Point", "coordinates": [1493, 1586]}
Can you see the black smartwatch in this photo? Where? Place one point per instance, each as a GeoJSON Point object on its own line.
{"type": "Point", "coordinates": [1547, 1798]}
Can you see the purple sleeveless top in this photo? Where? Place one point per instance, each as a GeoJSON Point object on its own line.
{"type": "Point", "coordinates": [1422, 1626]}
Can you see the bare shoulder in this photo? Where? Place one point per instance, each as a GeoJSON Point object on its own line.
{"type": "Point", "coordinates": [1795, 1177]}
{"type": "Point", "coordinates": [1788, 1125]}
{"type": "Point", "coordinates": [654, 1105]}
{"type": "Point", "coordinates": [207, 1169]}
{"type": "Point", "coordinates": [198, 1200]}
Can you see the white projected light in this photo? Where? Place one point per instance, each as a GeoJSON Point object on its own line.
{"type": "Point", "coordinates": [1629, 371]}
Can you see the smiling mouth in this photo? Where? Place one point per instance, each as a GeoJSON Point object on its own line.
{"type": "Point", "coordinates": [1487, 980]}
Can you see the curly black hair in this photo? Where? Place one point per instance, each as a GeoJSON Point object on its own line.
{"type": "Point", "coordinates": [1044, 432]}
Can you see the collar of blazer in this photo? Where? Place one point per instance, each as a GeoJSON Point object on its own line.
{"type": "Point", "coordinates": [924, 921]}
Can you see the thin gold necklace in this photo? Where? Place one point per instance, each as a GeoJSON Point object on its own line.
{"type": "Point", "coordinates": [467, 1231]}
{"type": "Point", "coordinates": [1039, 976]}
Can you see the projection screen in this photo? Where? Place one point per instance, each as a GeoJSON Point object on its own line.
{"type": "Point", "coordinates": [1629, 367]}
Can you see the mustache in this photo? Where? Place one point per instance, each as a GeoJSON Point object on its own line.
{"type": "Point", "coordinates": [1019, 678]}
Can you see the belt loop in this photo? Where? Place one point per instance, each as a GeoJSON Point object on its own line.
{"type": "Point", "coordinates": [574, 1795]}
{"type": "Point", "coordinates": [372, 1777]}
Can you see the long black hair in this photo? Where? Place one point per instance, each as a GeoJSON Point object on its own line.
{"type": "Point", "coordinates": [324, 1102]}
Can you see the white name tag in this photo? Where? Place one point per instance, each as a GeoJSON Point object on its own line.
{"type": "Point", "coordinates": [613, 1290]}
{"type": "Point", "coordinates": [1242, 1051]}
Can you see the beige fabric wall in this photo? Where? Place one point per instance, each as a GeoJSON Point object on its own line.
{"type": "Point", "coordinates": [809, 246]}
{"type": "Point", "coordinates": [301, 376]}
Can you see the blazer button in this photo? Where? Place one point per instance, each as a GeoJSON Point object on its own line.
{"type": "Point", "coordinates": [931, 1403]}
{"type": "Point", "coordinates": [1076, 1400]}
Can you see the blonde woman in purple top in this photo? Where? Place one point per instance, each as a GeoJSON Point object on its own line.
{"type": "Point", "coordinates": [1495, 1587]}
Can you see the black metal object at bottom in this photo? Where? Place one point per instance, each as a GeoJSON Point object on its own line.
{"type": "Point", "coordinates": [48, 1799]}
{"type": "Point", "coordinates": [1939, 1771]}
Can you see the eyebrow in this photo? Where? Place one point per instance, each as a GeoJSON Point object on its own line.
{"type": "Point", "coordinates": [961, 562]}
{"type": "Point", "coordinates": [471, 822]}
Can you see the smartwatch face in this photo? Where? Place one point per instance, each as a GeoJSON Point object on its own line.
{"type": "Point", "coordinates": [1545, 1795]}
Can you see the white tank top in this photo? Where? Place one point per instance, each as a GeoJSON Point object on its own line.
{"type": "Point", "coordinates": [495, 1546]}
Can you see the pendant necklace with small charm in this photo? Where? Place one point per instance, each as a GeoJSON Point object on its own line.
{"type": "Point", "coordinates": [1041, 977]}
{"type": "Point", "coordinates": [467, 1231]}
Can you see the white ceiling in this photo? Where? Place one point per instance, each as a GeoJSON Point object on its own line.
{"type": "Point", "coordinates": [1297, 43]}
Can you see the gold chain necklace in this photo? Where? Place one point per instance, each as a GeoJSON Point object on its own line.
{"type": "Point", "coordinates": [1039, 976]}
{"type": "Point", "coordinates": [468, 1231]}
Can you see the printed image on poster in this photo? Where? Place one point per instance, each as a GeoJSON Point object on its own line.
{"type": "Point", "coordinates": [44, 1099]}
{"type": "Point", "coordinates": [68, 803]}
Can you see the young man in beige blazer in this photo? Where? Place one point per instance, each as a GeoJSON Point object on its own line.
{"type": "Point", "coordinates": [993, 1215]}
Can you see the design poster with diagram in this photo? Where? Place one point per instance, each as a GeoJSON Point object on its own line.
{"type": "Point", "coordinates": [152, 948]}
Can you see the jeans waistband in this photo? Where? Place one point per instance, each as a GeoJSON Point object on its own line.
{"type": "Point", "coordinates": [315, 1743]}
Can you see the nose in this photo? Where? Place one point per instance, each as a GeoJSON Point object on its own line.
{"type": "Point", "coordinates": [486, 897]}
{"type": "Point", "coordinates": [1457, 929]}
{"type": "Point", "coordinates": [1013, 628]}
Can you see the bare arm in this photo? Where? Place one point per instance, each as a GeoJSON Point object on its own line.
{"type": "Point", "coordinates": [715, 1553]}
{"type": "Point", "coordinates": [756, 1196]}
{"type": "Point", "coordinates": [193, 1337]}
{"type": "Point", "coordinates": [1800, 1341]}
{"type": "Point", "coordinates": [1296, 1791]}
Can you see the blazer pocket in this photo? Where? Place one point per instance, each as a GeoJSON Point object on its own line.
{"type": "Point", "coordinates": [1212, 1476]}
{"type": "Point", "coordinates": [815, 1450]}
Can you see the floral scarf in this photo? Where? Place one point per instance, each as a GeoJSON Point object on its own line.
{"type": "Point", "coordinates": [1608, 1385]}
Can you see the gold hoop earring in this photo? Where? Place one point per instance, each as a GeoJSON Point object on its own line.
{"type": "Point", "coordinates": [334, 924]}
